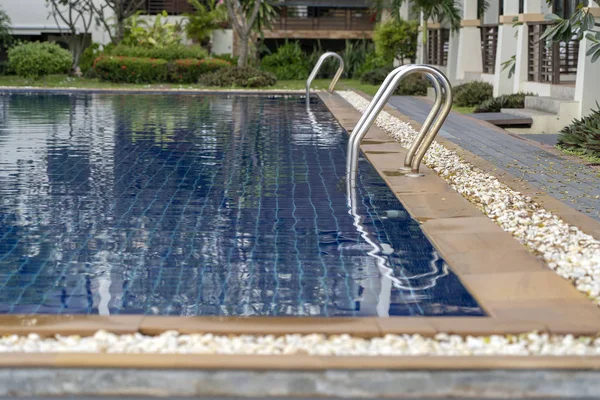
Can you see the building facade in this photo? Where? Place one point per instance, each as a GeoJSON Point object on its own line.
{"type": "Point", "coordinates": [561, 76]}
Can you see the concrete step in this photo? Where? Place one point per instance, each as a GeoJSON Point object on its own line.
{"type": "Point", "coordinates": [504, 119]}
{"type": "Point", "coordinates": [553, 105]}
{"type": "Point", "coordinates": [542, 122]}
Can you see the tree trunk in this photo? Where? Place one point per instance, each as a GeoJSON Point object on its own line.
{"type": "Point", "coordinates": [119, 30]}
{"type": "Point", "coordinates": [243, 52]}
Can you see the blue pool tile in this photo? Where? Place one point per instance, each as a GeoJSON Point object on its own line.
{"type": "Point", "coordinates": [201, 205]}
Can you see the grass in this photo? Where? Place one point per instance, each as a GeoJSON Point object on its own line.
{"type": "Point", "coordinates": [589, 158]}
{"type": "Point", "coordinates": [65, 81]}
{"type": "Point", "coordinates": [463, 110]}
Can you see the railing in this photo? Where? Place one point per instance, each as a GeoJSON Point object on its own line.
{"type": "Point", "coordinates": [430, 127]}
{"type": "Point", "coordinates": [316, 69]}
{"type": "Point", "coordinates": [317, 18]}
{"type": "Point", "coordinates": [545, 63]}
{"type": "Point", "coordinates": [172, 7]}
{"type": "Point", "coordinates": [437, 46]}
{"type": "Point", "coordinates": [489, 44]}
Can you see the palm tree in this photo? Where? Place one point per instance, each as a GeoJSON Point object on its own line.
{"type": "Point", "coordinates": [436, 10]}
{"type": "Point", "coordinates": [5, 29]}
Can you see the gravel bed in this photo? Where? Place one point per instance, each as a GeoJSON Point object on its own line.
{"type": "Point", "coordinates": [171, 342]}
{"type": "Point", "coordinates": [568, 251]}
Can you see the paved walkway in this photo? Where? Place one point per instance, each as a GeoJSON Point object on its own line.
{"type": "Point", "coordinates": [567, 180]}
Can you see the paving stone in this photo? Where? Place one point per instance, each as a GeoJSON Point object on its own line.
{"type": "Point", "coordinates": [566, 180]}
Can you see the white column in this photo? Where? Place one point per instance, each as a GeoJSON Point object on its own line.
{"type": "Point", "coordinates": [532, 11]}
{"type": "Point", "coordinates": [453, 57]}
{"type": "Point", "coordinates": [588, 73]}
{"type": "Point", "coordinates": [469, 42]}
{"type": "Point", "coordinates": [405, 10]}
{"type": "Point", "coordinates": [420, 44]}
{"type": "Point", "coordinates": [506, 47]}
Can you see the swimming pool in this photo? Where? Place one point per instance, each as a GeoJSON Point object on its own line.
{"type": "Point", "coordinates": [201, 205]}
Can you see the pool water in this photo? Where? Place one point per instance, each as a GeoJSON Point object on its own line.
{"type": "Point", "coordinates": [201, 205]}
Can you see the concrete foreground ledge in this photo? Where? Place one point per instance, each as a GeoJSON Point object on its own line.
{"type": "Point", "coordinates": [491, 384]}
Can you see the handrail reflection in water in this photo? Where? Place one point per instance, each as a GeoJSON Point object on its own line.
{"type": "Point", "coordinates": [383, 263]}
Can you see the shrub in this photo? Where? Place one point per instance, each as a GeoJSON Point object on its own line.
{"type": "Point", "coordinates": [516, 100]}
{"type": "Point", "coordinates": [583, 135]}
{"type": "Point", "coordinates": [375, 76]}
{"type": "Point", "coordinates": [289, 62]}
{"type": "Point", "coordinates": [35, 60]}
{"type": "Point", "coordinates": [236, 76]}
{"type": "Point", "coordinates": [131, 70]}
{"type": "Point", "coordinates": [160, 33]}
{"type": "Point", "coordinates": [472, 93]}
{"type": "Point", "coordinates": [396, 39]}
{"type": "Point", "coordinates": [373, 61]}
{"type": "Point", "coordinates": [89, 55]}
{"type": "Point", "coordinates": [175, 52]}
{"type": "Point", "coordinates": [413, 85]}
{"type": "Point", "coordinates": [189, 71]}
{"type": "Point", "coordinates": [227, 57]}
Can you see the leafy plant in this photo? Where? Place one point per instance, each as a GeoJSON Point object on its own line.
{"type": "Point", "coordinates": [131, 70]}
{"type": "Point", "coordinates": [34, 60]}
{"type": "Point", "coordinates": [175, 52]}
{"type": "Point", "coordinates": [287, 63]}
{"type": "Point", "coordinates": [5, 29]}
{"type": "Point", "coordinates": [472, 93]}
{"type": "Point", "coordinates": [574, 27]}
{"type": "Point", "coordinates": [396, 39]}
{"type": "Point", "coordinates": [373, 61]}
{"type": "Point", "coordinates": [161, 33]}
{"type": "Point", "coordinates": [413, 85]}
{"type": "Point", "coordinates": [226, 57]}
{"type": "Point", "coordinates": [515, 100]}
{"type": "Point", "coordinates": [375, 76]}
{"type": "Point", "coordinates": [113, 16]}
{"type": "Point", "coordinates": [239, 77]}
{"type": "Point", "coordinates": [89, 55]}
{"type": "Point", "coordinates": [435, 10]}
{"type": "Point", "coordinates": [354, 56]}
{"type": "Point", "coordinates": [189, 71]}
{"type": "Point", "coordinates": [208, 16]}
{"type": "Point", "coordinates": [583, 134]}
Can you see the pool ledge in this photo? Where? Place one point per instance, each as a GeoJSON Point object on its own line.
{"type": "Point", "coordinates": [515, 288]}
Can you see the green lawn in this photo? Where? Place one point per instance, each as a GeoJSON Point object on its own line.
{"type": "Point", "coordinates": [64, 81]}
{"type": "Point", "coordinates": [463, 110]}
{"type": "Point", "coordinates": [589, 158]}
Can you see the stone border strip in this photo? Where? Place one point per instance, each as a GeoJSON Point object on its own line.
{"type": "Point", "coordinates": [295, 362]}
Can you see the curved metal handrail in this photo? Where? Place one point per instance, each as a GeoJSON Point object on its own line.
{"type": "Point", "coordinates": [318, 66]}
{"type": "Point", "coordinates": [426, 135]}
{"type": "Point", "coordinates": [352, 146]}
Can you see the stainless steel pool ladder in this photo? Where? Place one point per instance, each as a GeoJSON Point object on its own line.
{"type": "Point", "coordinates": [316, 69]}
{"type": "Point", "coordinates": [429, 130]}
